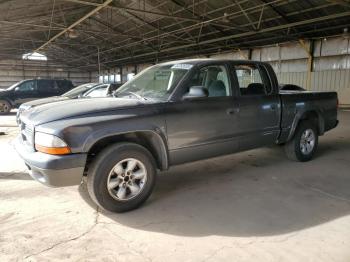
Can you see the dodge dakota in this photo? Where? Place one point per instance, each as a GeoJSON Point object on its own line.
{"type": "Point", "coordinates": [169, 114]}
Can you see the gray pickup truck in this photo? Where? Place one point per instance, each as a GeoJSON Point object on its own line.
{"type": "Point", "coordinates": [169, 114]}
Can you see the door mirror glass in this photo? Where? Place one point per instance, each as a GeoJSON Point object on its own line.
{"type": "Point", "coordinates": [195, 93]}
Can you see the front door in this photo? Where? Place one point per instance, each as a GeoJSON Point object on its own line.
{"type": "Point", "coordinates": [25, 92]}
{"type": "Point", "coordinates": [202, 128]}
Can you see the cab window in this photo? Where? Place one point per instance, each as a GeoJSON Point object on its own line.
{"type": "Point", "coordinates": [252, 80]}
{"type": "Point", "coordinates": [214, 79]}
{"type": "Point", "coordinates": [27, 86]}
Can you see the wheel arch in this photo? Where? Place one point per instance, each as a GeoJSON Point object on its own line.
{"type": "Point", "coordinates": [151, 140]}
{"type": "Point", "coordinates": [8, 100]}
{"type": "Point", "coordinates": [311, 115]}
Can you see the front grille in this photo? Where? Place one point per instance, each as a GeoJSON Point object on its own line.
{"type": "Point", "coordinates": [27, 133]}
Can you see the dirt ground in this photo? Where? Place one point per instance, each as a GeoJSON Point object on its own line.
{"type": "Point", "coordinates": [252, 206]}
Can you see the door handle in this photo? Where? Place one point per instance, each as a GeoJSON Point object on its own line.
{"type": "Point", "coordinates": [232, 111]}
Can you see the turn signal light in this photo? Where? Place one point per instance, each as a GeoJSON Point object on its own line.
{"type": "Point", "coordinates": [53, 150]}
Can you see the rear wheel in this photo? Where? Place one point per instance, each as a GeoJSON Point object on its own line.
{"type": "Point", "coordinates": [303, 145]}
{"type": "Point", "coordinates": [5, 107]}
{"type": "Point", "coordinates": [122, 177]}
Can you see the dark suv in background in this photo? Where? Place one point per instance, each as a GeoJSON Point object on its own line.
{"type": "Point", "coordinates": [31, 89]}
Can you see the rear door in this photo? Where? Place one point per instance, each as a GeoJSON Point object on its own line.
{"type": "Point", "coordinates": [63, 86]}
{"type": "Point", "coordinates": [47, 88]}
{"type": "Point", "coordinates": [259, 105]}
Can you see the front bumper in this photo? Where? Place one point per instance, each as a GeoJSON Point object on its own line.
{"type": "Point", "coordinates": [52, 170]}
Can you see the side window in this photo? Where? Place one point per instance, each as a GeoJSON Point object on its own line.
{"type": "Point", "coordinates": [48, 87]}
{"type": "Point", "coordinates": [64, 85]}
{"type": "Point", "coordinates": [97, 92]}
{"type": "Point", "coordinates": [27, 86]}
{"type": "Point", "coordinates": [214, 79]}
{"type": "Point", "coordinates": [252, 80]}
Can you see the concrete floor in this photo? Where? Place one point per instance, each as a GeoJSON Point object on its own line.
{"type": "Point", "coordinates": [253, 206]}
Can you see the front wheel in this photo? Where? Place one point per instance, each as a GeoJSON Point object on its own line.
{"type": "Point", "coordinates": [303, 145]}
{"type": "Point", "coordinates": [122, 177]}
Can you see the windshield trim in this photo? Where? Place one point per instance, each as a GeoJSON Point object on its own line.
{"type": "Point", "coordinates": [16, 84]}
{"type": "Point", "coordinates": [120, 90]}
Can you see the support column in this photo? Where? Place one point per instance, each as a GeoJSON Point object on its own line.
{"type": "Point", "coordinates": [250, 52]}
{"type": "Point", "coordinates": [310, 61]}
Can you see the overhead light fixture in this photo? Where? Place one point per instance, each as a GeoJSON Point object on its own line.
{"type": "Point", "coordinates": [34, 56]}
{"type": "Point", "coordinates": [346, 33]}
{"type": "Point", "coordinates": [71, 33]}
{"type": "Point", "coordinates": [225, 19]}
{"type": "Point", "coordinates": [325, 39]}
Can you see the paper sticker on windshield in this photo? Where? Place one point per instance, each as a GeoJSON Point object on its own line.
{"type": "Point", "coordinates": [182, 66]}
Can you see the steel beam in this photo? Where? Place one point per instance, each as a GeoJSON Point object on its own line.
{"type": "Point", "coordinates": [44, 27]}
{"type": "Point", "coordinates": [240, 35]}
{"type": "Point", "coordinates": [124, 8]}
{"type": "Point", "coordinates": [107, 2]}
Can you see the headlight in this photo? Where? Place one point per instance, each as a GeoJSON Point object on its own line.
{"type": "Point", "coordinates": [50, 144]}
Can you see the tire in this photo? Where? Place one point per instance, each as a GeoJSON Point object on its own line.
{"type": "Point", "coordinates": [5, 107]}
{"type": "Point", "coordinates": [303, 145]}
{"type": "Point", "coordinates": [112, 183]}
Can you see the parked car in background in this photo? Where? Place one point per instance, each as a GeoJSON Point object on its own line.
{"type": "Point", "coordinates": [31, 89]}
{"type": "Point", "coordinates": [169, 114]}
{"type": "Point", "coordinates": [85, 90]}
{"type": "Point", "coordinates": [102, 90]}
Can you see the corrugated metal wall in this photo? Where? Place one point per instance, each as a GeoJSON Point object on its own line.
{"type": "Point", "coordinates": [13, 71]}
{"type": "Point", "coordinates": [331, 65]}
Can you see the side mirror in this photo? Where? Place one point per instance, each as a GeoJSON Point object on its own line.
{"type": "Point", "coordinates": [17, 89]}
{"type": "Point", "coordinates": [195, 93]}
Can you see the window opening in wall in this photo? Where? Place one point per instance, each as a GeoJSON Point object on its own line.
{"type": "Point", "coordinates": [118, 78]}
{"type": "Point", "coordinates": [105, 79]}
{"type": "Point", "coordinates": [34, 56]}
{"type": "Point", "coordinates": [130, 76]}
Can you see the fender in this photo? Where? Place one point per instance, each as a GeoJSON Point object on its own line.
{"type": "Point", "coordinates": [140, 125]}
{"type": "Point", "coordinates": [155, 138]}
{"type": "Point", "coordinates": [304, 114]}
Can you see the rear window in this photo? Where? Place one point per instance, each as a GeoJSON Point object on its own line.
{"type": "Point", "coordinates": [64, 84]}
{"type": "Point", "coordinates": [47, 87]}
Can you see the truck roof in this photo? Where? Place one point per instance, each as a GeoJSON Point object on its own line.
{"type": "Point", "coordinates": [198, 61]}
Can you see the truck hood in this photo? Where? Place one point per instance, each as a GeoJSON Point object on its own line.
{"type": "Point", "coordinates": [4, 92]}
{"type": "Point", "coordinates": [74, 107]}
{"type": "Point", "coordinates": [42, 101]}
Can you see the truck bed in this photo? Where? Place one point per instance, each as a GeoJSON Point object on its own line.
{"type": "Point", "coordinates": [296, 103]}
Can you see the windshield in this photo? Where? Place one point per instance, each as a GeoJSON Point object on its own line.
{"type": "Point", "coordinates": [78, 90]}
{"type": "Point", "coordinates": [14, 85]}
{"type": "Point", "coordinates": [155, 83]}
